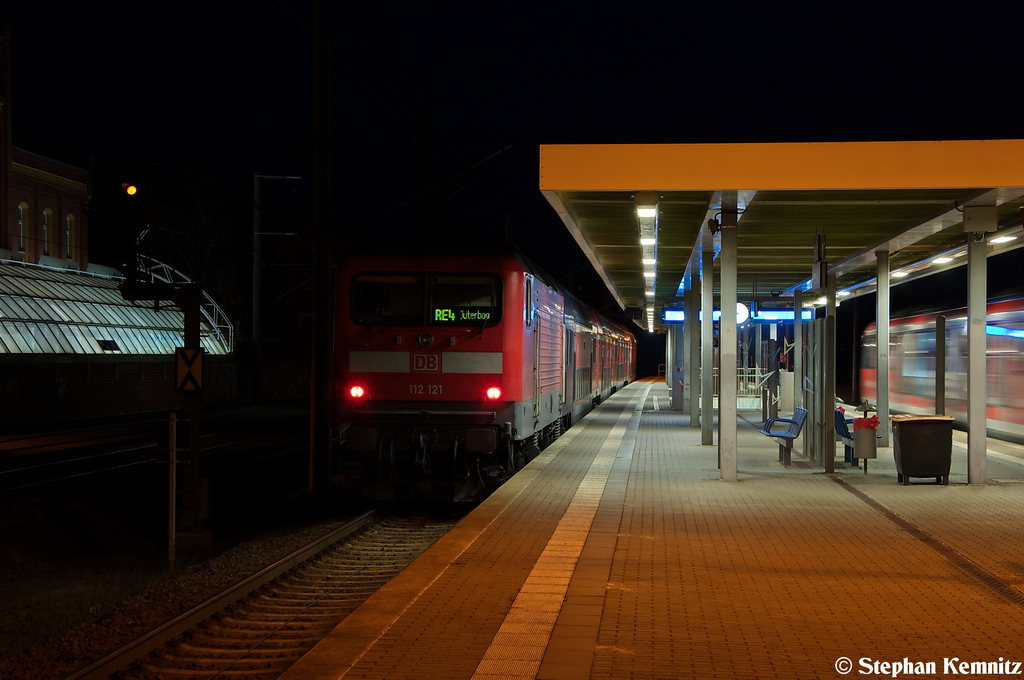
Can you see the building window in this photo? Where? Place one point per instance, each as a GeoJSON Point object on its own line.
{"type": "Point", "coordinates": [22, 212]}
{"type": "Point", "coordinates": [46, 231]}
{"type": "Point", "coordinates": [69, 235]}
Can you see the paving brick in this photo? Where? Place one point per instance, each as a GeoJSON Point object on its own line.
{"type": "Point", "coordinates": [682, 575]}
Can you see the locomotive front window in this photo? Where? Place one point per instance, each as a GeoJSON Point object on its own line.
{"type": "Point", "coordinates": [464, 300]}
{"type": "Point", "coordinates": [388, 299]}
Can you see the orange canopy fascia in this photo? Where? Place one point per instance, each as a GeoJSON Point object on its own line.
{"type": "Point", "coordinates": [784, 166]}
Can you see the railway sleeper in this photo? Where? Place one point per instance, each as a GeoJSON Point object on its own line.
{"type": "Point", "coordinates": [237, 627]}
{"type": "Point", "coordinates": [278, 649]}
{"type": "Point", "coordinates": [337, 597]}
{"type": "Point", "coordinates": [203, 671]}
{"type": "Point", "coordinates": [299, 613]}
{"type": "Point", "coordinates": [341, 586]}
{"type": "Point", "coordinates": [233, 646]}
{"type": "Point", "coordinates": [332, 599]}
{"type": "Point", "coordinates": [324, 576]}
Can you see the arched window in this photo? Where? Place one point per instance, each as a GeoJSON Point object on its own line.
{"type": "Point", "coordinates": [22, 216]}
{"type": "Point", "coordinates": [69, 235]}
{"type": "Point", "coordinates": [47, 231]}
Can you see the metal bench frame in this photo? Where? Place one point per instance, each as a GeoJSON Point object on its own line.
{"type": "Point", "coordinates": [795, 425]}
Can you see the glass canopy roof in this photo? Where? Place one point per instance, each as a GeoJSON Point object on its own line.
{"type": "Point", "coordinates": [49, 311]}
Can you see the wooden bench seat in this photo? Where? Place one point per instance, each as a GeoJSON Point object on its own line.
{"type": "Point", "coordinates": [785, 436]}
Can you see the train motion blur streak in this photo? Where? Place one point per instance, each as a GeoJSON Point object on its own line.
{"type": "Point", "coordinates": [454, 371]}
{"type": "Point", "coordinates": [912, 366]}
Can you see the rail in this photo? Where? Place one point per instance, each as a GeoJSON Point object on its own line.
{"type": "Point", "coordinates": [161, 635]}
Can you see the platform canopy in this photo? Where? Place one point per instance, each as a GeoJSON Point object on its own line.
{"type": "Point", "coordinates": [906, 198]}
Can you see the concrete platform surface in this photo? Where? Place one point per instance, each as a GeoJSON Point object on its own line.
{"type": "Point", "coordinates": [619, 554]}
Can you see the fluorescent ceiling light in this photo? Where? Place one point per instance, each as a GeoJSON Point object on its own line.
{"type": "Point", "coordinates": [649, 260]}
{"type": "Point", "coordinates": [942, 260]}
{"type": "Point", "coordinates": [646, 212]}
{"type": "Point", "coordinates": [649, 274]}
{"type": "Point", "coordinates": [900, 275]}
{"type": "Point", "coordinates": [650, 293]}
{"type": "Point", "coordinates": [1003, 239]}
{"type": "Point", "coordinates": [647, 241]}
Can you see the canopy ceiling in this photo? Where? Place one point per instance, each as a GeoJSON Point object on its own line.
{"type": "Point", "coordinates": [906, 198]}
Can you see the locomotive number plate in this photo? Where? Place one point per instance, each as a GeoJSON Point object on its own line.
{"type": "Point", "coordinates": [425, 389]}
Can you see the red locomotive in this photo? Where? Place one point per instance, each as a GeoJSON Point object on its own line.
{"type": "Point", "coordinates": [454, 371]}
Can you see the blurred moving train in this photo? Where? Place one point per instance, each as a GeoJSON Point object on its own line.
{"type": "Point", "coordinates": [912, 366]}
{"type": "Point", "coordinates": [453, 372]}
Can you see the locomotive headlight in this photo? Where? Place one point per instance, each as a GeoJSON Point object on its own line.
{"type": "Point", "coordinates": [357, 392]}
{"type": "Point", "coordinates": [494, 393]}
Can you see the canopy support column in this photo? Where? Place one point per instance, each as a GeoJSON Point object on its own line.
{"type": "Point", "coordinates": [798, 348]}
{"type": "Point", "coordinates": [977, 221]}
{"type": "Point", "coordinates": [727, 409]}
{"type": "Point", "coordinates": [882, 348]}
{"type": "Point", "coordinates": [707, 342]}
{"type": "Point", "coordinates": [691, 367]}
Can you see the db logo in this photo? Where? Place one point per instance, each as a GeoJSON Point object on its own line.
{"type": "Point", "coordinates": [426, 363]}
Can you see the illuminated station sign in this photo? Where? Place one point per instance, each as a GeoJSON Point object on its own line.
{"type": "Point", "coordinates": [742, 315]}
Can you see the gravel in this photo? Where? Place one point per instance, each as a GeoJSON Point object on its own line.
{"type": "Point", "coordinates": [155, 598]}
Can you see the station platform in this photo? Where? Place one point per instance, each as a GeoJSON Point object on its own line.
{"type": "Point", "coordinates": [618, 553]}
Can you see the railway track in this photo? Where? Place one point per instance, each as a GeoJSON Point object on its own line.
{"type": "Point", "coordinates": [260, 627]}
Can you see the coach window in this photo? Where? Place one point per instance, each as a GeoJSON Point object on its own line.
{"type": "Point", "coordinates": [388, 299]}
{"type": "Point", "coordinates": [465, 300]}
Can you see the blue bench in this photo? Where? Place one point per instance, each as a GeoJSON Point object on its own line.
{"type": "Point", "coordinates": [843, 430]}
{"type": "Point", "coordinates": [787, 435]}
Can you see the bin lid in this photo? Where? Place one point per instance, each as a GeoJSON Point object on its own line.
{"type": "Point", "coordinates": [906, 417]}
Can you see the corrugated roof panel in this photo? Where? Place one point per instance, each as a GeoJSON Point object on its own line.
{"type": "Point", "coordinates": [22, 334]}
{"type": "Point", "coordinates": [47, 338]}
{"type": "Point", "coordinates": [7, 310]}
{"type": "Point", "coordinates": [137, 342]}
{"type": "Point", "coordinates": [58, 335]}
{"type": "Point", "coordinates": [73, 335]}
{"type": "Point", "coordinates": [94, 336]}
{"type": "Point", "coordinates": [7, 343]}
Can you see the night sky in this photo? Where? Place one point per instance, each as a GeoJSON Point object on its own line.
{"type": "Point", "coordinates": [197, 96]}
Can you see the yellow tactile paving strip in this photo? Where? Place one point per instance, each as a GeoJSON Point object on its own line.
{"type": "Point", "coordinates": [779, 575]}
{"type": "Point", "coordinates": [541, 599]}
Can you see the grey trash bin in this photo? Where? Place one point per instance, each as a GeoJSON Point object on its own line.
{"type": "Point", "coordinates": [922, 447]}
{"type": "Point", "coordinates": [865, 443]}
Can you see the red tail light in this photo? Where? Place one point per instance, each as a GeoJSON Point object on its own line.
{"type": "Point", "coordinates": [356, 392]}
{"type": "Point", "coordinates": [494, 393]}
